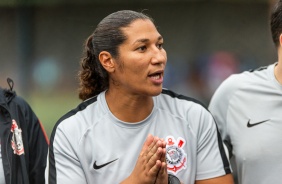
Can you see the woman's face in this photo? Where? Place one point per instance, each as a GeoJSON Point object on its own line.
{"type": "Point", "coordinates": [141, 61]}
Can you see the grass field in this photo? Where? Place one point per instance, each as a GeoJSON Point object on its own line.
{"type": "Point", "coordinates": [49, 108]}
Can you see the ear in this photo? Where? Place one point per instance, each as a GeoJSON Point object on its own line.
{"type": "Point", "coordinates": [280, 40]}
{"type": "Point", "coordinates": [107, 61]}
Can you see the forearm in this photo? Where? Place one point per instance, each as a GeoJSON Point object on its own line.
{"type": "Point", "coordinates": [226, 179]}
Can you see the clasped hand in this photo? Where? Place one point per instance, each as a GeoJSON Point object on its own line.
{"type": "Point", "coordinates": [151, 167]}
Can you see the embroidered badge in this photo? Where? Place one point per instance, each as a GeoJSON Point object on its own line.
{"type": "Point", "coordinates": [175, 156]}
{"type": "Point", "coordinates": [17, 141]}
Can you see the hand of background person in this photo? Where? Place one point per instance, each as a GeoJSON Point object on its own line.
{"type": "Point", "coordinates": [150, 167]}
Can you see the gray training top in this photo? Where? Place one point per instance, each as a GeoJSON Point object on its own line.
{"type": "Point", "coordinates": [90, 145]}
{"type": "Point", "coordinates": [248, 110]}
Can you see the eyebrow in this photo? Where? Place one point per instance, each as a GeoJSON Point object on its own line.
{"type": "Point", "coordinates": [144, 40]}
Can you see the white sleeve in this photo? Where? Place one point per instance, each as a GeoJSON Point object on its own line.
{"type": "Point", "coordinates": [219, 105]}
{"type": "Point", "coordinates": [65, 167]}
{"type": "Point", "coordinates": [211, 158]}
{"type": "Point", "coordinates": [47, 169]}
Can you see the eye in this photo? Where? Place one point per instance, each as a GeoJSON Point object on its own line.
{"type": "Point", "coordinates": [160, 45]}
{"type": "Point", "coordinates": [142, 48]}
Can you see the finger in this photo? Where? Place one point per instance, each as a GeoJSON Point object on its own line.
{"type": "Point", "coordinates": [163, 156]}
{"type": "Point", "coordinates": [153, 172]}
{"type": "Point", "coordinates": [156, 152]}
{"type": "Point", "coordinates": [148, 142]}
{"type": "Point", "coordinates": [162, 176]}
{"type": "Point", "coordinates": [163, 143]}
{"type": "Point", "coordinates": [163, 169]}
{"type": "Point", "coordinates": [156, 157]}
{"type": "Point", "coordinates": [147, 151]}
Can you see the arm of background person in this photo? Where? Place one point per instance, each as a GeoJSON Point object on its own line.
{"type": "Point", "coordinates": [219, 107]}
{"type": "Point", "coordinates": [37, 144]}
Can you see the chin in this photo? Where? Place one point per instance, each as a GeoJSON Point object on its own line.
{"type": "Point", "coordinates": [156, 92]}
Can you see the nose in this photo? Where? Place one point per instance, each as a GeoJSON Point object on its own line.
{"type": "Point", "coordinates": [159, 56]}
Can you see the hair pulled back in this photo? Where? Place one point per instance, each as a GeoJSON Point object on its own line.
{"type": "Point", "coordinates": [107, 36]}
{"type": "Point", "coordinates": [276, 23]}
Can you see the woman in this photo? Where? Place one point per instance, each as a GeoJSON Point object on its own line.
{"type": "Point", "coordinates": [23, 141]}
{"type": "Point", "coordinates": [247, 109]}
{"type": "Point", "coordinates": [125, 107]}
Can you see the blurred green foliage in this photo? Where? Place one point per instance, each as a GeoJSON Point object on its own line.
{"type": "Point", "coordinates": [50, 108]}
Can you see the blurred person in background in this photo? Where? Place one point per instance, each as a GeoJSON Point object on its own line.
{"type": "Point", "coordinates": [205, 74]}
{"type": "Point", "coordinates": [23, 141]}
{"type": "Point", "coordinates": [247, 108]}
{"type": "Point", "coordinates": [128, 129]}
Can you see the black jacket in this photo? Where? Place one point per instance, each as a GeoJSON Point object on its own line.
{"type": "Point", "coordinates": [23, 163]}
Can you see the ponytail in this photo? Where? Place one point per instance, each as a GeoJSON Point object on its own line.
{"type": "Point", "coordinates": [93, 78]}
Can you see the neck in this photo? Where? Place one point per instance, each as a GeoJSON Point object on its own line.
{"type": "Point", "coordinates": [129, 108]}
{"type": "Point", "coordinates": [278, 72]}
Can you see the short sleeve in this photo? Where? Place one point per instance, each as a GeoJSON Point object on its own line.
{"type": "Point", "coordinates": [64, 165]}
{"type": "Point", "coordinates": [219, 105]}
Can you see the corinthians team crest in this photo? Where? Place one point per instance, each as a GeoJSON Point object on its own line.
{"type": "Point", "coordinates": [176, 158]}
{"type": "Point", "coordinates": [17, 140]}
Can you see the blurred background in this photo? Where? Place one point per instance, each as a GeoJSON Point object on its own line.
{"type": "Point", "coordinates": [41, 43]}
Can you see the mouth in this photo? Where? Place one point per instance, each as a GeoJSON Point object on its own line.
{"type": "Point", "coordinates": [156, 77]}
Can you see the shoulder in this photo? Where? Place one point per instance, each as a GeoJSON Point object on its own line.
{"type": "Point", "coordinates": [189, 109]}
{"type": "Point", "coordinates": [14, 101]}
{"type": "Point", "coordinates": [75, 120]}
{"type": "Point", "coordinates": [242, 80]}
{"type": "Point", "coordinates": [20, 101]}
{"type": "Point", "coordinates": [171, 96]}
{"type": "Point", "coordinates": [181, 105]}
{"type": "Point", "coordinates": [235, 85]}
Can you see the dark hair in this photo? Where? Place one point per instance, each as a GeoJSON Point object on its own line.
{"type": "Point", "coordinates": [107, 36]}
{"type": "Point", "coordinates": [276, 22]}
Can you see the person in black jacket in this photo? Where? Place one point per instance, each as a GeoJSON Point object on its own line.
{"type": "Point", "coordinates": [23, 141]}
